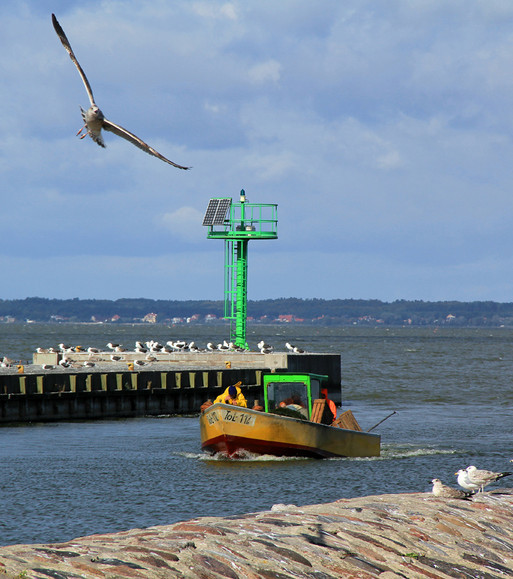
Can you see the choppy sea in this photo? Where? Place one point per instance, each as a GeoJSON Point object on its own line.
{"type": "Point", "coordinates": [452, 390]}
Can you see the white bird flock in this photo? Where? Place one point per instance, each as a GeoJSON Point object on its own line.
{"type": "Point", "coordinates": [147, 351]}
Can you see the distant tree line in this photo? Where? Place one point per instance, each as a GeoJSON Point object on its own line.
{"type": "Point", "coordinates": [311, 311]}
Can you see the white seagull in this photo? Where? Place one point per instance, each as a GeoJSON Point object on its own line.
{"type": "Point", "coordinates": [483, 478]}
{"type": "Point", "coordinates": [443, 491]}
{"type": "Point", "coordinates": [464, 481]}
{"type": "Point", "coordinates": [264, 348]}
{"type": "Point", "coordinates": [94, 119]}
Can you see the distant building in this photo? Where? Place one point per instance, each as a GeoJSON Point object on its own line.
{"type": "Point", "coordinates": [8, 319]}
{"type": "Point", "coordinates": [58, 318]}
{"type": "Point", "coordinates": [285, 318]}
{"type": "Point", "coordinates": [150, 318]}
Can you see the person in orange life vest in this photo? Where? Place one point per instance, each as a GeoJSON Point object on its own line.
{"type": "Point", "coordinates": [331, 404]}
{"type": "Point", "coordinates": [232, 395]}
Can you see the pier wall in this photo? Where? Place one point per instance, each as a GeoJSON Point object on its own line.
{"type": "Point", "coordinates": [166, 386]}
{"type": "Point", "coordinates": [412, 536]}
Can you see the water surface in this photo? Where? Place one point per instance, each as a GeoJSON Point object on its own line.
{"type": "Point", "coordinates": [452, 390]}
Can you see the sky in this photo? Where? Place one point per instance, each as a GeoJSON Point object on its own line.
{"type": "Point", "coordinates": [382, 130]}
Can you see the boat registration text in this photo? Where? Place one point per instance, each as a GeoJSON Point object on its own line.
{"type": "Point", "coordinates": [230, 416]}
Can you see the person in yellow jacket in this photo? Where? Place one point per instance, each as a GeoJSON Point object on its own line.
{"type": "Point", "coordinates": [232, 395]}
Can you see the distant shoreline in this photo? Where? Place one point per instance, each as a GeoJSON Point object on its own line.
{"type": "Point", "coordinates": [319, 312]}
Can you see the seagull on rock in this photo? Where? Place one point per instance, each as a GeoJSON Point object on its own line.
{"type": "Point", "coordinates": [94, 119]}
{"type": "Point", "coordinates": [483, 478]}
{"type": "Point", "coordinates": [464, 481]}
{"type": "Point", "coordinates": [445, 492]}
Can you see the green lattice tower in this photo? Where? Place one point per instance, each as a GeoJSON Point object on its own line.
{"type": "Point", "coordinates": [237, 224]}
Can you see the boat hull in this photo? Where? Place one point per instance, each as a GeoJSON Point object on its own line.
{"type": "Point", "coordinates": [232, 430]}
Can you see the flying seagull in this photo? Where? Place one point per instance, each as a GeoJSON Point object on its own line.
{"type": "Point", "coordinates": [93, 117]}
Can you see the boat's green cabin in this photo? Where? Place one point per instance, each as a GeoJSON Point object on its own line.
{"type": "Point", "coordinates": [295, 391]}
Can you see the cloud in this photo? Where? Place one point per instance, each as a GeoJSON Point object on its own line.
{"type": "Point", "coordinates": [268, 71]}
{"type": "Point", "coordinates": [226, 10]}
{"type": "Point", "coordinates": [381, 130]}
{"type": "Point", "coordinates": [183, 223]}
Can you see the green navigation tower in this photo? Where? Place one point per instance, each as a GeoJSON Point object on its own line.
{"type": "Point", "coordinates": [237, 224]}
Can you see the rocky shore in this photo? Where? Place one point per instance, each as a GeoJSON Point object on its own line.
{"type": "Point", "coordinates": [407, 535]}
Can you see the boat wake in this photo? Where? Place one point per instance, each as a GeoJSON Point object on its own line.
{"type": "Point", "coordinates": [242, 456]}
{"type": "Point", "coordinates": [246, 456]}
{"type": "Point", "coordinates": [388, 452]}
{"type": "Point", "coordinates": [395, 451]}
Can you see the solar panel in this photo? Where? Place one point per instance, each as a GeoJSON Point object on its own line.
{"type": "Point", "coordinates": [216, 211]}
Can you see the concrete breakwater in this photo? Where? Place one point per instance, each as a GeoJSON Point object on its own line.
{"type": "Point", "coordinates": [404, 535]}
{"type": "Point", "coordinates": [168, 384]}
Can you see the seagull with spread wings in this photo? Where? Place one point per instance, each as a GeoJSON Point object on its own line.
{"type": "Point", "coordinates": [94, 119]}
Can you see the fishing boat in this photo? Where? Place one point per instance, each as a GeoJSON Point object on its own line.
{"type": "Point", "coordinates": [303, 426]}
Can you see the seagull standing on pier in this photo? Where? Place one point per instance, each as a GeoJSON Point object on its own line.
{"type": "Point", "coordinates": [113, 346]}
{"type": "Point", "coordinates": [94, 119]}
{"type": "Point", "coordinates": [264, 348]}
